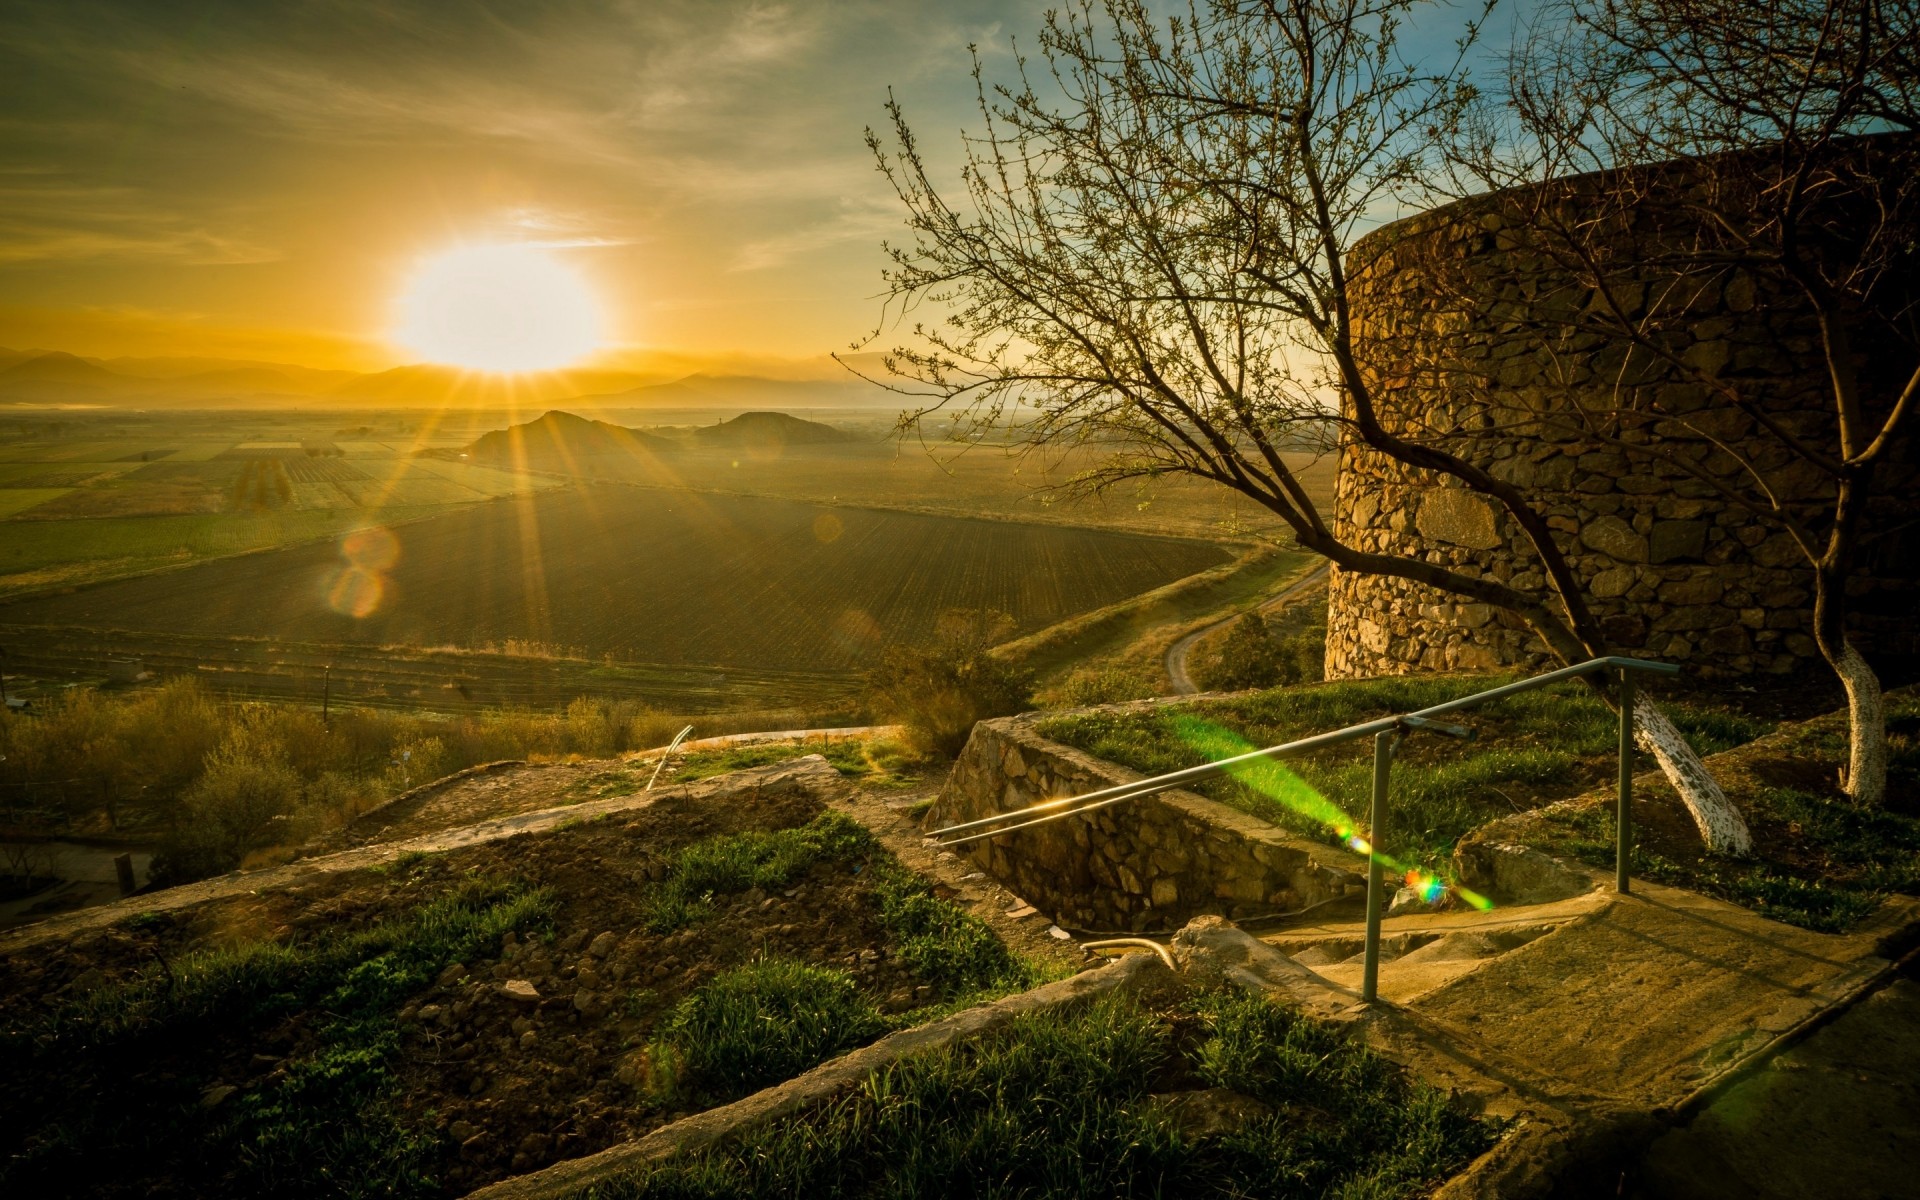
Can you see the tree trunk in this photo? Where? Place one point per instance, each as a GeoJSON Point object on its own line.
{"type": "Point", "coordinates": [1721, 826]}
{"type": "Point", "coordinates": [1866, 779]}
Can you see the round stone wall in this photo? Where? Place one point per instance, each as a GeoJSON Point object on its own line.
{"type": "Point", "coordinates": [1445, 309]}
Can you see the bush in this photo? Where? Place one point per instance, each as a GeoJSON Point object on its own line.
{"type": "Point", "coordinates": [1257, 654]}
{"type": "Point", "coordinates": [939, 690]}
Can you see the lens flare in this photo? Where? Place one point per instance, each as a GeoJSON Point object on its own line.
{"type": "Point", "coordinates": [1274, 781]}
{"type": "Point", "coordinates": [359, 587]}
{"type": "Point", "coordinates": [356, 593]}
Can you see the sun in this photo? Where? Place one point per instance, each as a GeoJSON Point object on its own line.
{"type": "Point", "coordinates": [498, 308]}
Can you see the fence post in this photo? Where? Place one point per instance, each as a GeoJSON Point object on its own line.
{"type": "Point", "coordinates": [1623, 823]}
{"type": "Point", "coordinates": [1376, 834]}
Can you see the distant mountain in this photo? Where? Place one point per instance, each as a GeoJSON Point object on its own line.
{"type": "Point", "coordinates": [767, 431]}
{"type": "Point", "coordinates": [568, 444]}
{"type": "Point", "coordinates": [57, 367]}
{"type": "Point", "coordinates": [743, 391]}
{"type": "Point", "coordinates": [203, 371]}
{"type": "Point", "coordinates": [428, 384]}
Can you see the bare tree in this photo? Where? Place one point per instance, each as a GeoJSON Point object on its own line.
{"type": "Point", "coordinates": [1683, 157]}
{"type": "Point", "coordinates": [1151, 252]}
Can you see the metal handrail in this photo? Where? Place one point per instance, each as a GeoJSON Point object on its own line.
{"type": "Point", "coordinates": [1387, 732]}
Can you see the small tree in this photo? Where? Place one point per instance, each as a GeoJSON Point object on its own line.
{"type": "Point", "coordinates": [940, 688]}
{"type": "Point", "coordinates": [1782, 204]}
{"type": "Point", "coordinates": [1151, 256]}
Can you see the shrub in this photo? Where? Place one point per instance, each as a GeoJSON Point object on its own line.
{"type": "Point", "coordinates": [1257, 654]}
{"type": "Point", "coordinates": [939, 690]}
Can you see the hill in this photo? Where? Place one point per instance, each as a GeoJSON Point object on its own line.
{"type": "Point", "coordinates": [742, 391]}
{"type": "Point", "coordinates": [57, 367]}
{"type": "Point", "coordinates": [767, 431]}
{"type": "Point", "coordinates": [563, 442]}
{"type": "Point", "coordinates": [428, 384]}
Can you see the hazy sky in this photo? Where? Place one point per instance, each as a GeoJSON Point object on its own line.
{"type": "Point", "coordinates": [249, 177]}
{"type": "Point", "coordinates": [259, 177]}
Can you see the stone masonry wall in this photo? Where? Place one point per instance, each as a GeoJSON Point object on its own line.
{"type": "Point", "coordinates": [1149, 864]}
{"type": "Point", "coordinates": [1446, 311]}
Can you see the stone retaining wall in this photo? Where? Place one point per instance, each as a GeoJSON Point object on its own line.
{"type": "Point", "coordinates": [1148, 864]}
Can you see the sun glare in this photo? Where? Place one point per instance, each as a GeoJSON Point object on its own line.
{"type": "Point", "coordinates": [498, 308]}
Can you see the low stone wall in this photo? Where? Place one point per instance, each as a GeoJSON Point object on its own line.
{"type": "Point", "coordinates": [1148, 864]}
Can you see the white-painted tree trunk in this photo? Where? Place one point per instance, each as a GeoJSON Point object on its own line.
{"type": "Point", "coordinates": [1866, 779]}
{"type": "Point", "coordinates": [1721, 826]}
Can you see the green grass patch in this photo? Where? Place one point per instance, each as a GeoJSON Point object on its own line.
{"type": "Point", "coordinates": [737, 862]}
{"type": "Point", "coordinates": [943, 943]}
{"type": "Point", "coordinates": [1062, 1104]}
{"type": "Point", "coordinates": [1531, 748]}
{"type": "Point", "coordinates": [326, 1127]}
{"type": "Point", "coordinates": [755, 1025]}
{"type": "Point", "coordinates": [874, 761]}
{"type": "Point", "coordinates": [1820, 862]}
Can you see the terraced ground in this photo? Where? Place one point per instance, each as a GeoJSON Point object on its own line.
{"type": "Point", "coordinates": [645, 576]}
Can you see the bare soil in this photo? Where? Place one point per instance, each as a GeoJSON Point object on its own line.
{"type": "Point", "coordinates": [503, 1087]}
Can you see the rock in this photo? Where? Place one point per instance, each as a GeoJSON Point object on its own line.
{"type": "Point", "coordinates": [1615, 538]}
{"type": "Point", "coordinates": [588, 978]}
{"type": "Point", "coordinates": [460, 1131]}
{"type": "Point", "coordinates": [216, 1095]}
{"type": "Point", "coordinates": [592, 1005]}
{"type": "Point", "coordinates": [432, 1012]}
{"type": "Point", "coordinates": [1672, 541]}
{"type": "Point", "coordinates": [1457, 516]}
{"type": "Point", "coordinates": [453, 974]}
{"type": "Point", "coordinates": [603, 944]}
{"type": "Point", "coordinates": [520, 991]}
{"type": "Point", "coordinates": [521, 1025]}
{"type": "Point", "coordinates": [529, 1039]}
{"type": "Point", "coordinates": [1517, 874]}
{"type": "Point", "coordinates": [1211, 1112]}
{"type": "Point", "coordinates": [1410, 900]}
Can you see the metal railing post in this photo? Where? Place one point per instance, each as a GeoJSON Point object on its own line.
{"type": "Point", "coordinates": [1382, 766]}
{"type": "Point", "coordinates": [1623, 824]}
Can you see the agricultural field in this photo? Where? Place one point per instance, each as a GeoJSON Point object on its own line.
{"type": "Point", "coordinates": [84, 498]}
{"type": "Point", "coordinates": [643, 575]}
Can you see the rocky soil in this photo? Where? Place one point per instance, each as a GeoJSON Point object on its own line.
{"type": "Point", "coordinates": [529, 1053]}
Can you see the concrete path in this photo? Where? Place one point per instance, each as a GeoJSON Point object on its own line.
{"type": "Point", "coordinates": [1176, 657]}
{"type": "Point", "coordinates": [1594, 1020]}
{"type": "Point", "coordinates": [1837, 1115]}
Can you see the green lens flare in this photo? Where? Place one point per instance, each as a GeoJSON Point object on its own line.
{"type": "Point", "coordinates": [1274, 781]}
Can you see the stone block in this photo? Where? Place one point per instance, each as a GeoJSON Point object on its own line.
{"type": "Point", "coordinates": [1704, 588]}
{"type": "Point", "coordinates": [1613, 582]}
{"type": "Point", "coordinates": [1517, 874]}
{"type": "Point", "coordinates": [1676, 541]}
{"type": "Point", "coordinates": [1614, 538]}
{"type": "Point", "coordinates": [1459, 517]}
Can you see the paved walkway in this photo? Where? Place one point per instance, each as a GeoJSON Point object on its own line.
{"type": "Point", "coordinates": [1604, 1011]}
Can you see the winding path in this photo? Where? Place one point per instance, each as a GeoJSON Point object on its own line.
{"type": "Point", "coordinates": [1176, 659]}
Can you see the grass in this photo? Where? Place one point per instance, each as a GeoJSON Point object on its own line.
{"type": "Point", "coordinates": [881, 762]}
{"type": "Point", "coordinates": [1062, 1104]}
{"type": "Point", "coordinates": [758, 1024]}
{"type": "Point", "coordinates": [943, 943]}
{"type": "Point", "coordinates": [1820, 862]}
{"type": "Point", "coordinates": [323, 1127]}
{"type": "Point", "coordinates": [1531, 748]}
{"type": "Point", "coordinates": [755, 859]}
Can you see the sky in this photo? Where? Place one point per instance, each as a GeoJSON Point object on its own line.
{"type": "Point", "coordinates": [261, 179]}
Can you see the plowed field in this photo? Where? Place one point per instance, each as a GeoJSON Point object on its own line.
{"type": "Point", "coordinates": [645, 576]}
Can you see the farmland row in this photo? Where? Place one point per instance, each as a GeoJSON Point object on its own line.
{"type": "Point", "coordinates": [639, 575]}
{"type": "Point", "coordinates": [446, 681]}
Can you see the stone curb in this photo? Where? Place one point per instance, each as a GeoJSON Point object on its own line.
{"type": "Point", "coordinates": [810, 771]}
{"type": "Point", "coordinates": [821, 1083]}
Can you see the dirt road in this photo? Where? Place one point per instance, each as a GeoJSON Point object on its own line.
{"type": "Point", "coordinates": [1176, 660]}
